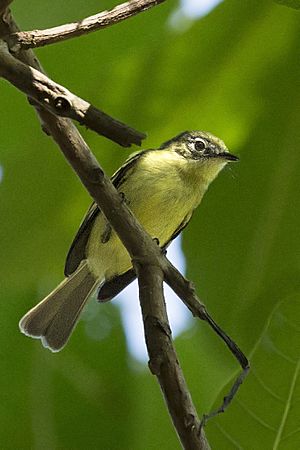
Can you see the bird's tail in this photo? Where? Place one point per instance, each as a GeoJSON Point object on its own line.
{"type": "Point", "coordinates": [54, 318]}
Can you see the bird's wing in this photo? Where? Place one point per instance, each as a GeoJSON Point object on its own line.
{"type": "Point", "coordinates": [178, 230]}
{"type": "Point", "coordinates": [77, 250]}
{"type": "Point", "coordinates": [115, 285]}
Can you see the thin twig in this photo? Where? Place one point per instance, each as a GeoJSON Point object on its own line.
{"type": "Point", "coordinates": [186, 292]}
{"type": "Point", "coordinates": [58, 100]}
{"type": "Point", "coordinates": [39, 38]}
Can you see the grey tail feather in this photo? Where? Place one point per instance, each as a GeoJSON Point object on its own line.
{"type": "Point", "coordinates": [55, 317]}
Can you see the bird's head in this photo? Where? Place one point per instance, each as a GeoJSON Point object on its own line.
{"type": "Point", "coordinates": [204, 153]}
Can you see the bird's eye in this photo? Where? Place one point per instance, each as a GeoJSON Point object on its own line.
{"type": "Point", "coordinates": [200, 144]}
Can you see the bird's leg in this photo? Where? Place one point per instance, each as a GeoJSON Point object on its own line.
{"type": "Point", "coordinates": [123, 198]}
{"type": "Point", "coordinates": [163, 249]}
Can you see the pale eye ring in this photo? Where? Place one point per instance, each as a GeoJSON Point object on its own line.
{"type": "Point", "coordinates": [200, 144]}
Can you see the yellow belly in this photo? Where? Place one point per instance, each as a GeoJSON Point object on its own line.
{"type": "Point", "coordinates": [159, 219]}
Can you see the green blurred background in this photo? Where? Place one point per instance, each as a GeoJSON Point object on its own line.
{"type": "Point", "coordinates": [236, 73]}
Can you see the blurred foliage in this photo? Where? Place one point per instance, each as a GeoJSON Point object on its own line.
{"type": "Point", "coordinates": [235, 73]}
{"type": "Point", "coordinates": [291, 3]}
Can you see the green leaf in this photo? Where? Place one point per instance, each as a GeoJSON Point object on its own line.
{"type": "Point", "coordinates": [266, 408]}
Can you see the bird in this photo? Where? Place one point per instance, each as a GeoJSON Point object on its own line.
{"type": "Point", "coordinates": [162, 187]}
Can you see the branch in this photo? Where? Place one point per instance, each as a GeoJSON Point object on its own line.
{"type": "Point", "coordinates": [144, 253]}
{"type": "Point", "coordinates": [4, 5]}
{"type": "Point", "coordinates": [39, 38]}
{"type": "Point", "coordinates": [163, 361]}
{"type": "Point", "coordinates": [58, 100]}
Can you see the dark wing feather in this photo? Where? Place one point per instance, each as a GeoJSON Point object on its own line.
{"type": "Point", "coordinates": [122, 173]}
{"type": "Point", "coordinates": [77, 250]}
{"type": "Point", "coordinates": [115, 285]}
{"type": "Point", "coordinates": [178, 230]}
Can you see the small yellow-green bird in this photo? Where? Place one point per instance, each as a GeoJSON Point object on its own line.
{"type": "Point", "coordinates": [162, 187]}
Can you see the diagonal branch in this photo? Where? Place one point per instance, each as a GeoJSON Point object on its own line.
{"type": "Point", "coordinates": [58, 100]}
{"type": "Point", "coordinates": [4, 5]}
{"type": "Point", "coordinates": [186, 292]}
{"type": "Point", "coordinates": [39, 38]}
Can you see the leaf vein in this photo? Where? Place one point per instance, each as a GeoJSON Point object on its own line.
{"type": "Point", "coordinates": [267, 389]}
{"type": "Point", "coordinates": [287, 407]}
{"type": "Point", "coordinates": [255, 416]}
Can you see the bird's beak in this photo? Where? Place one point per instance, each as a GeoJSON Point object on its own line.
{"type": "Point", "coordinates": [228, 156]}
